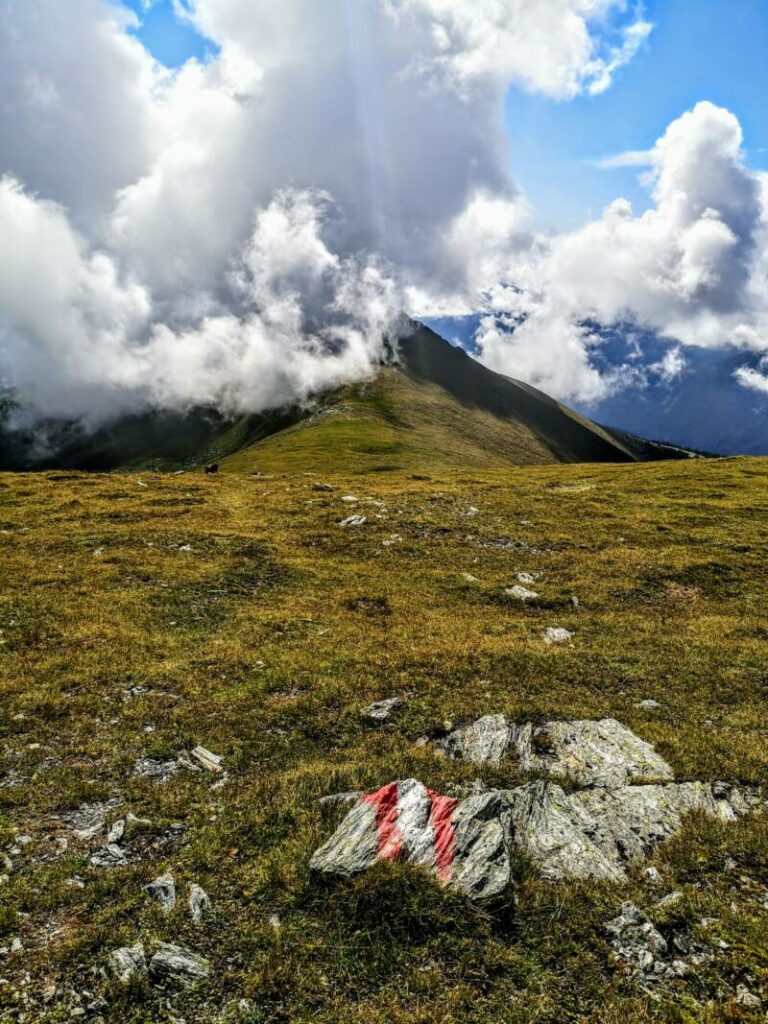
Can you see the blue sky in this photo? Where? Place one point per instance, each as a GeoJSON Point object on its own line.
{"type": "Point", "coordinates": [699, 49]}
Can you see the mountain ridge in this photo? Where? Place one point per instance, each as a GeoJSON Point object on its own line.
{"type": "Point", "coordinates": [432, 403]}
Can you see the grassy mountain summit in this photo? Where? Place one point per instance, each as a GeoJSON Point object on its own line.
{"type": "Point", "coordinates": [432, 405]}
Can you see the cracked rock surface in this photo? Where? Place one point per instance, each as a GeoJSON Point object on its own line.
{"type": "Point", "coordinates": [590, 753]}
{"type": "Point", "coordinates": [590, 833]}
{"type": "Point", "coordinates": [465, 843]}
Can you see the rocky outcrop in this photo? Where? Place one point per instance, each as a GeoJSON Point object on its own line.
{"type": "Point", "coordinates": [591, 753]}
{"type": "Point", "coordinates": [466, 843]}
{"type": "Point", "coordinates": [595, 832]}
{"type": "Point", "coordinates": [598, 833]}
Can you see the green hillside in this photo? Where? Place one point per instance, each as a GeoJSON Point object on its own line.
{"type": "Point", "coordinates": [432, 406]}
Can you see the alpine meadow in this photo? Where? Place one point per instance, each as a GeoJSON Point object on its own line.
{"type": "Point", "coordinates": [382, 527]}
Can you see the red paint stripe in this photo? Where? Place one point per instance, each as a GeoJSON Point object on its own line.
{"type": "Point", "coordinates": [384, 801]}
{"type": "Point", "coordinates": [441, 820]}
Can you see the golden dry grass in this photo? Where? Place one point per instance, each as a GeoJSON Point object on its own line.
{"type": "Point", "coordinates": [262, 643]}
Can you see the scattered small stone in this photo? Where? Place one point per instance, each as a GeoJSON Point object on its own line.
{"type": "Point", "coordinates": [116, 831]}
{"type": "Point", "coordinates": [670, 900]}
{"type": "Point", "coordinates": [350, 499]}
{"type": "Point", "coordinates": [340, 798]}
{"type": "Point", "coordinates": [176, 963]}
{"type": "Point", "coordinates": [163, 891]}
{"type": "Point", "coordinates": [199, 903]}
{"type": "Point", "coordinates": [521, 593]}
{"type": "Point", "coordinates": [89, 819]}
{"type": "Point", "coordinates": [128, 962]}
{"type": "Point", "coordinates": [748, 999]}
{"type": "Point", "coordinates": [211, 762]}
{"type": "Point", "coordinates": [648, 703]}
{"type": "Point", "coordinates": [111, 856]}
{"type": "Point", "coordinates": [635, 939]}
{"type": "Point", "coordinates": [381, 710]}
{"type": "Point", "coordinates": [528, 577]}
{"type": "Point", "coordinates": [322, 487]}
{"type": "Point", "coordinates": [353, 521]}
{"type": "Point", "coordinates": [653, 875]}
{"type": "Point", "coordinates": [159, 771]}
{"type": "Point", "coordinates": [469, 578]}
{"type": "Point", "coordinates": [556, 635]}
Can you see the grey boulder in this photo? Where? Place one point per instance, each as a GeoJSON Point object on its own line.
{"type": "Point", "coordinates": [381, 710]}
{"type": "Point", "coordinates": [163, 891]}
{"type": "Point", "coordinates": [465, 844]}
{"type": "Point", "coordinates": [175, 963]}
{"type": "Point", "coordinates": [128, 962]}
{"type": "Point", "coordinates": [591, 753]}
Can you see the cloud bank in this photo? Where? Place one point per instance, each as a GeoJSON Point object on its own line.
{"type": "Point", "coordinates": [692, 269]}
{"type": "Point", "coordinates": [245, 231]}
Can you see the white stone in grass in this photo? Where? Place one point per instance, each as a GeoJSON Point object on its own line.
{"type": "Point", "coordinates": [353, 521]}
{"type": "Point", "coordinates": [178, 964]}
{"type": "Point", "coordinates": [650, 704]}
{"type": "Point", "coordinates": [199, 904]}
{"type": "Point", "coordinates": [211, 762]}
{"type": "Point", "coordinates": [381, 710]}
{"type": "Point", "coordinates": [521, 593]}
{"type": "Point", "coordinates": [748, 999]}
{"type": "Point", "coordinates": [128, 962]}
{"type": "Point", "coordinates": [556, 635]}
{"type": "Point", "coordinates": [527, 577]}
{"type": "Point", "coordinates": [350, 499]}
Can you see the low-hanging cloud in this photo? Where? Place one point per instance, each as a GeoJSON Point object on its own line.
{"type": "Point", "coordinates": [246, 230]}
{"type": "Point", "coordinates": [691, 269]}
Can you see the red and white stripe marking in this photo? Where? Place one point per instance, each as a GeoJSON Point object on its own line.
{"type": "Point", "coordinates": [415, 824]}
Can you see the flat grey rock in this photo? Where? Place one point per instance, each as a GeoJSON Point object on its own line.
{"type": "Point", "coordinates": [163, 891]}
{"type": "Point", "coordinates": [466, 844]}
{"type": "Point", "coordinates": [175, 963]}
{"type": "Point", "coordinates": [598, 833]}
{"type": "Point", "coordinates": [89, 819]}
{"type": "Point", "coordinates": [128, 962]}
{"type": "Point", "coordinates": [485, 741]}
{"type": "Point", "coordinates": [353, 521]}
{"type": "Point", "coordinates": [556, 635]}
{"type": "Point", "coordinates": [381, 710]}
{"type": "Point", "coordinates": [521, 593]}
{"type": "Point", "coordinates": [590, 753]}
{"type": "Point", "coordinates": [159, 771]}
{"type": "Point", "coordinates": [111, 856]}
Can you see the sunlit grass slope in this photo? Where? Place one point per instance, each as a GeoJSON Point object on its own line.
{"type": "Point", "coordinates": [143, 614]}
